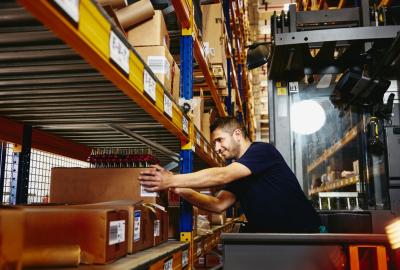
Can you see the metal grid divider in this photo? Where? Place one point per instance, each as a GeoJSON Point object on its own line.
{"type": "Point", "coordinates": [40, 172]}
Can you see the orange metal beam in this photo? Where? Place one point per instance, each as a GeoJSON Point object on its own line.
{"type": "Point", "coordinates": [49, 16]}
{"type": "Point", "coordinates": [341, 3]}
{"type": "Point", "coordinates": [197, 49]}
{"type": "Point", "coordinates": [182, 12]}
{"type": "Point", "coordinates": [11, 131]}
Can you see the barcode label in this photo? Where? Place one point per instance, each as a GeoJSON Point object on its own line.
{"type": "Point", "coordinates": [149, 85]}
{"type": "Point", "coordinates": [145, 193]}
{"type": "Point", "coordinates": [167, 105]}
{"type": "Point", "coordinates": [119, 52]}
{"type": "Point", "coordinates": [157, 227]}
{"type": "Point", "coordinates": [70, 7]}
{"type": "Point", "coordinates": [117, 232]}
{"type": "Point", "coordinates": [185, 258]}
{"type": "Point", "coordinates": [198, 138]}
{"type": "Point", "coordinates": [185, 125]}
{"type": "Point", "coordinates": [168, 264]}
{"type": "Point", "coordinates": [160, 65]}
{"type": "Point", "coordinates": [136, 226]}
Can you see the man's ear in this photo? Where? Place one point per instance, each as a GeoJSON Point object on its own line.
{"type": "Point", "coordinates": [237, 132]}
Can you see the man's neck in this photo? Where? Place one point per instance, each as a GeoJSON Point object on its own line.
{"type": "Point", "coordinates": [243, 148]}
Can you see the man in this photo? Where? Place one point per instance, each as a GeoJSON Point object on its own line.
{"type": "Point", "coordinates": [258, 177]}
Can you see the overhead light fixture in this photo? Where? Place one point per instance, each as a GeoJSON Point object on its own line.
{"type": "Point", "coordinates": [307, 117]}
{"type": "Point", "coordinates": [258, 55]}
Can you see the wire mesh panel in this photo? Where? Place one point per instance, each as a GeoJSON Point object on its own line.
{"type": "Point", "coordinates": [39, 173]}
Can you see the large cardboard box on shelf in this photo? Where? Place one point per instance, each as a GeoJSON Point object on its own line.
{"type": "Point", "coordinates": [160, 61]}
{"type": "Point", "coordinates": [213, 33]}
{"type": "Point", "coordinates": [100, 233]}
{"type": "Point", "coordinates": [153, 32]}
{"type": "Point", "coordinates": [94, 185]}
{"type": "Point", "coordinates": [140, 223]}
{"type": "Point", "coordinates": [160, 224]}
{"type": "Point", "coordinates": [11, 237]}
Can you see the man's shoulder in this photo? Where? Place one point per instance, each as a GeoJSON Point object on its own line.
{"type": "Point", "coordinates": [262, 146]}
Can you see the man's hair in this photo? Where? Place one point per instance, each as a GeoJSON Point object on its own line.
{"type": "Point", "coordinates": [228, 124]}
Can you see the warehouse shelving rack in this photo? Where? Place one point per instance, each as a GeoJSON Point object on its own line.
{"type": "Point", "coordinates": [68, 101]}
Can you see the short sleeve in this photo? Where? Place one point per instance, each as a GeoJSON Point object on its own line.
{"type": "Point", "coordinates": [260, 157]}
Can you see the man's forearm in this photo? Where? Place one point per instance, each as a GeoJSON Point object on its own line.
{"type": "Point", "coordinates": [205, 178]}
{"type": "Point", "coordinates": [202, 201]}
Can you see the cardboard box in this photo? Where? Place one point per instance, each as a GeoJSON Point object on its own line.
{"type": "Point", "coordinates": [176, 82]}
{"type": "Point", "coordinates": [198, 110]}
{"type": "Point", "coordinates": [94, 185]}
{"type": "Point", "coordinates": [160, 61]}
{"type": "Point", "coordinates": [218, 219]}
{"type": "Point", "coordinates": [206, 126]}
{"type": "Point", "coordinates": [100, 233]}
{"type": "Point", "coordinates": [213, 32]}
{"type": "Point", "coordinates": [153, 32]}
{"type": "Point", "coordinates": [11, 237]}
{"type": "Point", "coordinates": [140, 222]}
{"type": "Point", "coordinates": [161, 224]}
{"type": "Point", "coordinates": [173, 217]}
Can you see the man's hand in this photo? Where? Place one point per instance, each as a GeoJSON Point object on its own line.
{"type": "Point", "coordinates": [155, 178]}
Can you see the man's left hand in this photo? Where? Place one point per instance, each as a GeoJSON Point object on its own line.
{"type": "Point", "coordinates": [155, 178]}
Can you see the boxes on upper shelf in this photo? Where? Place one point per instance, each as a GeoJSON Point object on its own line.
{"type": "Point", "coordinates": [160, 61]}
{"type": "Point", "coordinates": [206, 126]}
{"type": "Point", "coordinates": [150, 33]}
{"type": "Point", "coordinates": [198, 110]}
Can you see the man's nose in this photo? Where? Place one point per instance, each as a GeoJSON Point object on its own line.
{"type": "Point", "coordinates": [217, 147]}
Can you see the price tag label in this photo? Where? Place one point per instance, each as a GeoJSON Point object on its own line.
{"type": "Point", "coordinates": [167, 105]}
{"type": "Point", "coordinates": [119, 52]}
{"type": "Point", "coordinates": [149, 85]}
{"type": "Point", "coordinates": [185, 125]}
{"type": "Point", "coordinates": [294, 87]}
{"type": "Point", "coordinates": [198, 138]}
{"type": "Point", "coordinates": [168, 264]}
{"type": "Point", "coordinates": [70, 7]}
{"type": "Point", "coordinates": [185, 258]}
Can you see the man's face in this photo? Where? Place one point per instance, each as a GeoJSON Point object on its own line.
{"type": "Point", "coordinates": [225, 144]}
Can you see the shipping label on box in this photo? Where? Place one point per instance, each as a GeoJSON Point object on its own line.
{"type": "Point", "coordinates": [160, 65]}
{"type": "Point", "coordinates": [116, 232]}
{"type": "Point", "coordinates": [136, 225]}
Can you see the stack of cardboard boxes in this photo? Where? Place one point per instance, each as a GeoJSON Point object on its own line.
{"type": "Point", "coordinates": [151, 40]}
{"type": "Point", "coordinates": [215, 44]}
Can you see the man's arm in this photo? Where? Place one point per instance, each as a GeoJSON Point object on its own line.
{"type": "Point", "coordinates": [155, 180]}
{"type": "Point", "coordinates": [213, 204]}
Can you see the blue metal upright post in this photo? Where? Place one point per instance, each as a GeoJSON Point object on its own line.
{"type": "Point", "coordinates": [186, 164]}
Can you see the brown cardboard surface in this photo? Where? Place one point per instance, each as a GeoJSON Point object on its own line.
{"type": "Point", "coordinates": [135, 13]}
{"type": "Point", "coordinates": [206, 126]}
{"type": "Point", "coordinates": [88, 228]}
{"type": "Point", "coordinates": [198, 110]}
{"type": "Point", "coordinates": [160, 224]}
{"type": "Point", "coordinates": [173, 228]}
{"type": "Point", "coordinates": [11, 237]}
{"type": "Point", "coordinates": [213, 32]}
{"type": "Point", "coordinates": [154, 57]}
{"type": "Point", "coordinates": [152, 32]}
{"type": "Point", "coordinates": [94, 185]}
{"type": "Point", "coordinates": [113, 3]}
{"type": "Point", "coordinates": [218, 219]}
{"type": "Point", "coordinates": [176, 82]}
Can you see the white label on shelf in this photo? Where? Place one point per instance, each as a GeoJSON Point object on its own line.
{"type": "Point", "coordinates": [117, 232]}
{"type": "Point", "coordinates": [293, 87]}
{"type": "Point", "coordinates": [167, 105]}
{"type": "Point", "coordinates": [198, 138]}
{"type": "Point", "coordinates": [136, 225]}
{"type": "Point", "coordinates": [185, 258]}
{"type": "Point", "coordinates": [168, 264]}
{"type": "Point", "coordinates": [201, 260]}
{"type": "Point", "coordinates": [160, 65]}
{"type": "Point", "coordinates": [71, 7]}
{"type": "Point", "coordinates": [157, 227]}
{"type": "Point", "coordinates": [185, 125]}
{"type": "Point", "coordinates": [119, 53]}
{"type": "Point", "coordinates": [149, 85]}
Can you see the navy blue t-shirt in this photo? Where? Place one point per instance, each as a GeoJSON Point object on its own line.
{"type": "Point", "coordinates": [271, 197]}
